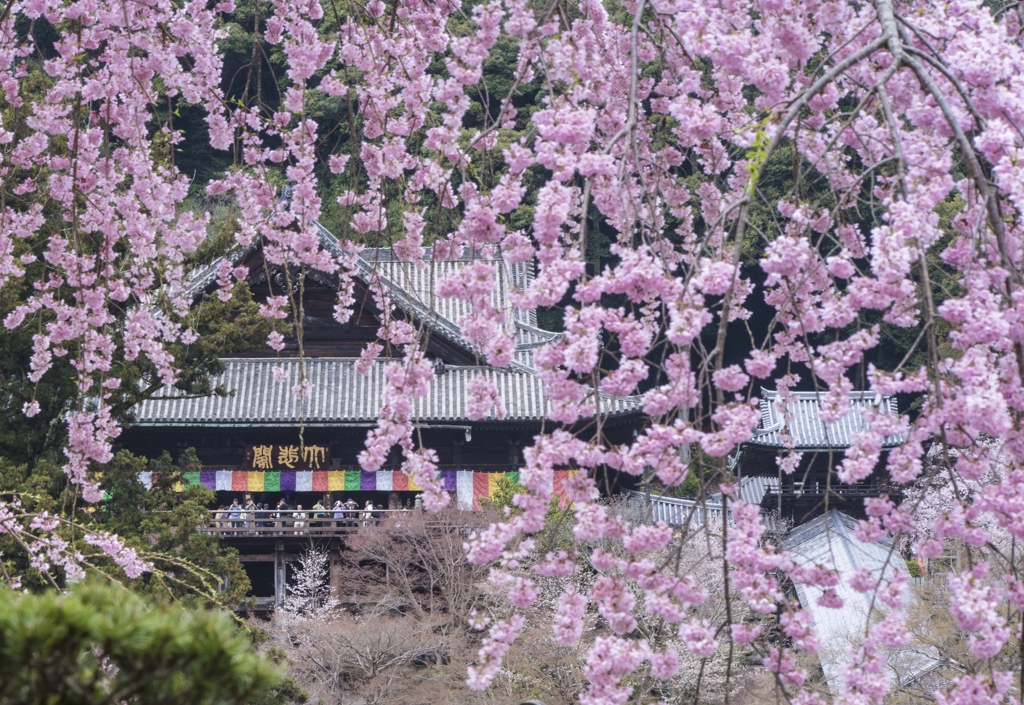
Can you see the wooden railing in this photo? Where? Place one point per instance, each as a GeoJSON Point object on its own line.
{"type": "Point", "coordinates": [307, 522]}
{"type": "Point", "coordinates": [677, 512]}
{"type": "Point", "coordinates": [323, 522]}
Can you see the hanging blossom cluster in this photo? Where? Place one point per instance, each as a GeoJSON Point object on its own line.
{"type": "Point", "coordinates": [638, 102]}
{"type": "Point", "coordinates": [91, 215]}
{"type": "Point", "coordinates": [657, 124]}
{"type": "Point", "coordinates": [118, 232]}
{"type": "Point", "coordinates": [47, 548]}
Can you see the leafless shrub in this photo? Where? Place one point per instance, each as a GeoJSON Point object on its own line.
{"type": "Point", "coordinates": [417, 561]}
{"type": "Point", "coordinates": [331, 656]}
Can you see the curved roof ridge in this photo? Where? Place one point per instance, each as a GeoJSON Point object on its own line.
{"type": "Point", "coordinates": [440, 314]}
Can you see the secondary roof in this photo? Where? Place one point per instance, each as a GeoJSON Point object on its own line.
{"type": "Point", "coordinates": [797, 423]}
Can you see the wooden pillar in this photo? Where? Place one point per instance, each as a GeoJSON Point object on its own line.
{"type": "Point", "coordinates": [335, 577]}
{"type": "Point", "coordinates": [334, 567]}
{"type": "Point", "coordinates": [280, 573]}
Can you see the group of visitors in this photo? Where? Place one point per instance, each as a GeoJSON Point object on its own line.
{"type": "Point", "coordinates": [239, 517]}
{"type": "Point", "coordinates": [235, 515]}
{"type": "Point", "coordinates": [349, 511]}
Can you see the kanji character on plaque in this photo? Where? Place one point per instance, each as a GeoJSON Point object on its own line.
{"type": "Point", "coordinates": [288, 456]}
{"type": "Point", "coordinates": [314, 455]}
{"type": "Point", "coordinates": [261, 457]}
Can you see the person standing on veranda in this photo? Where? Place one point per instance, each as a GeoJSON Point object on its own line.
{"type": "Point", "coordinates": [235, 513]}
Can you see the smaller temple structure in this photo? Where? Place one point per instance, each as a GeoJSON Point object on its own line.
{"type": "Point", "coordinates": [796, 426]}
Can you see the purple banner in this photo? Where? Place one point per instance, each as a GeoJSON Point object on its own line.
{"type": "Point", "coordinates": [449, 481]}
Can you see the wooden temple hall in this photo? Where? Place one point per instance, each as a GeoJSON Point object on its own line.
{"type": "Point", "coordinates": [248, 441]}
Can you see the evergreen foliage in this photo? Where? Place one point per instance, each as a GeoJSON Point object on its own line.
{"type": "Point", "coordinates": [101, 645]}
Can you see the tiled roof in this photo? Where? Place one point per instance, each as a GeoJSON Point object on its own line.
{"type": "Point", "coordinates": [801, 423]}
{"type": "Point", "coordinates": [829, 540]}
{"type": "Point", "coordinates": [751, 489]}
{"type": "Point", "coordinates": [342, 395]}
{"type": "Point", "coordinates": [413, 290]}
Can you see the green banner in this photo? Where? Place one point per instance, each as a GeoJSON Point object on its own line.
{"type": "Point", "coordinates": [351, 480]}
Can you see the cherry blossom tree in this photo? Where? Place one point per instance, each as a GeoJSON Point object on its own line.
{"type": "Point", "coordinates": [657, 124]}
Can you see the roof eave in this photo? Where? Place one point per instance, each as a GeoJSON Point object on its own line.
{"type": "Point", "coordinates": [814, 448]}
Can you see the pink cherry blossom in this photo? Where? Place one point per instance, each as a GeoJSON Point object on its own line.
{"type": "Point", "coordinates": [709, 281]}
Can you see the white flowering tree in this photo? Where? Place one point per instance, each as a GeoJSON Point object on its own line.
{"type": "Point", "coordinates": [308, 592]}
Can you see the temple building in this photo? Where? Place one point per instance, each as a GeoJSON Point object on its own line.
{"type": "Point", "coordinates": [813, 487]}
{"type": "Point", "coordinates": [249, 441]}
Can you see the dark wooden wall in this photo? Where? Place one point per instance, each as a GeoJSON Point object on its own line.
{"type": "Point", "coordinates": [497, 449]}
{"type": "Point", "coordinates": [814, 486]}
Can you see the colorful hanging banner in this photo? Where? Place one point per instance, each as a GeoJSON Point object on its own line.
{"type": "Point", "coordinates": [492, 483]}
{"type": "Point", "coordinates": [481, 488]}
{"type": "Point", "coordinates": [464, 489]}
{"type": "Point", "coordinates": [468, 486]}
{"type": "Point", "coordinates": [448, 480]}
